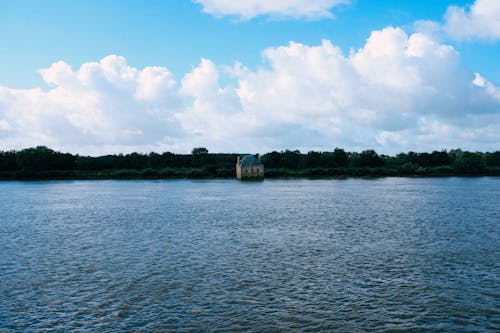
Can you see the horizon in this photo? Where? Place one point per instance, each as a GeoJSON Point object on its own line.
{"type": "Point", "coordinates": [256, 153]}
{"type": "Point", "coordinates": [97, 78]}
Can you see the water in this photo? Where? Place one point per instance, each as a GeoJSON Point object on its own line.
{"type": "Point", "coordinates": [392, 254]}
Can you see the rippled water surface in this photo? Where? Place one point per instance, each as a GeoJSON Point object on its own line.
{"type": "Point", "coordinates": [392, 254]}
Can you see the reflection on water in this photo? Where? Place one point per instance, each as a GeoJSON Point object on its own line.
{"type": "Point", "coordinates": [296, 255]}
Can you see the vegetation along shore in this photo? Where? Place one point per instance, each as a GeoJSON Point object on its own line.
{"type": "Point", "coordinates": [44, 163]}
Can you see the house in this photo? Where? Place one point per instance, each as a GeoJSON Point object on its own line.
{"type": "Point", "coordinates": [249, 168]}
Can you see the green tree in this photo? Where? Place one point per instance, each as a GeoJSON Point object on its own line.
{"type": "Point", "coordinates": [272, 160]}
{"type": "Point", "coordinates": [493, 159]}
{"type": "Point", "coordinates": [340, 158]}
{"type": "Point", "coordinates": [199, 157]}
{"type": "Point", "coordinates": [468, 162]}
{"type": "Point", "coordinates": [35, 159]}
{"type": "Point", "coordinates": [8, 161]}
{"type": "Point", "coordinates": [199, 151]}
{"type": "Point", "coordinates": [291, 159]}
{"type": "Point", "coordinates": [312, 159]}
{"type": "Point", "coordinates": [369, 158]}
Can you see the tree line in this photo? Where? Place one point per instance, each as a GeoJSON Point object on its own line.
{"type": "Point", "coordinates": [44, 163]}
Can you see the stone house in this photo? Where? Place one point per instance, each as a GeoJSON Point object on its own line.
{"type": "Point", "coordinates": [249, 168]}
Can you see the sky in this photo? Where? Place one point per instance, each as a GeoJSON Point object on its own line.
{"type": "Point", "coordinates": [117, 76]}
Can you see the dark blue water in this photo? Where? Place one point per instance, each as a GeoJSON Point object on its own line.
{"type": "Point", "coordinates": [392, 254]}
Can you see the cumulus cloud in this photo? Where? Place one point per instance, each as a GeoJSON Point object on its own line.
{"type": "Point", "coordinates": [102, 103]}
{"type": "Point", "coordinates": [309, 9]}
{"type": "Point", "coordinates": [398, 92]}
{"type": "Point", "coordinates": [479, 21]}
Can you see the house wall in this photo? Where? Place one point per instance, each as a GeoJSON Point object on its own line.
{"type": "Point", "coordinates": [249, 172]}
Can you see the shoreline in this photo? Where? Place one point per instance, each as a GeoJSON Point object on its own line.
{"type": "Point", "coordinates": [283, 174]}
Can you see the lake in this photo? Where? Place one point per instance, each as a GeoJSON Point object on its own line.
{"type": "Point", "coordinates": [352, 255]}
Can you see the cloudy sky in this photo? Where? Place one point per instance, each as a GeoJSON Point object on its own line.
{"type": "Point", "coordinates": [96, 77]}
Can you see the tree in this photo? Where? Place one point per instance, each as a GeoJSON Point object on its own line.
{"type": "Point", "coordinates": [199, 157]}
{"type": "Point", "coordinates": [154, 160]}
{"type": "Point", "coordinates": [468, 162]}
{"type": "Point", "coordinates": [199, 151]}
{"type": "Point", "coordinates": [369, 158]}
{"type": "Point", "coordinates": [8, 161]}
{"type": "Point", "coordinates": [438, 158]}
{"type": "Point", "coordinates": [137, 161]}
{"type": "Point", "coordinates": [272, 160]}
{"type": "Point", "coordinates": [312, 159]}
{"type": "Point", "coordinates": [35, 159]}
{"type": "Point", "coordinates": [291, 159]}
{"type": "Point", "coordinates": [493, 159]}
{"type": "Point", "coordinates": [340, 158]}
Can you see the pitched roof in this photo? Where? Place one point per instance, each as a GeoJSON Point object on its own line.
{"type": "Point", "coordinates": [249, 161]}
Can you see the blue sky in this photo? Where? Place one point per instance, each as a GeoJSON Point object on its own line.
{"type": "Point", "coordinates": [176, 35]}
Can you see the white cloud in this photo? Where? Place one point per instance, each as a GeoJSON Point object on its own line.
{"type": "Point", "coordinates": [479, 21]}
{"type": "Point", "coordinates": [309, 9]}
{"type": "Point", "coordinates": [384, 95]}
{"type": "Point", "coordinates": [101, 103]}
{"type": "Point", "coordinates": [398, 92]}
